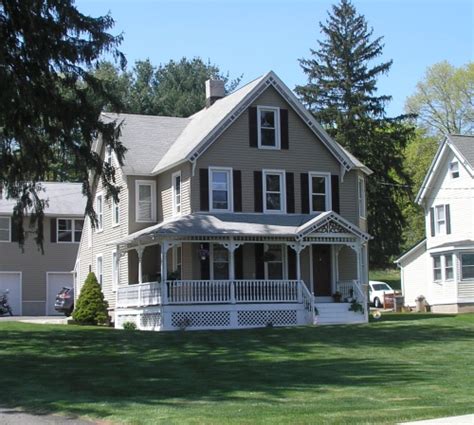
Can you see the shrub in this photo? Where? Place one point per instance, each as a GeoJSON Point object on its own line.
{"type": "Point", "coordinates": [91, 308]}
{"type": "Point", "coordinates": [129, 326]}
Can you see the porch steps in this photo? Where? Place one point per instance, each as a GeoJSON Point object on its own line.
{"type": "Point", "coordinates": [337, 313]}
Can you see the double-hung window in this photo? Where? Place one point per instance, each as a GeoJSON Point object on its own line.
{"type": "Point", "coordinates": [440, 219]}
{"type": "Point", "coordinates": [115, 213]}
{"type": "Point", "coordinates": [274, 191]}
{"type": "Point", "coordinates": [448, 267]}
{"type": "Point", "coordinates": [437, 271]}
{"type": "Point", "coordinates": [69, 230]}
{"type": "Point", "coordinates": [454, 169]}
{"type": "Point", "coordinates": [220, 189]}
{"type": "Point", "coordinates": [99, 269]}
{"type": "Point", "coordinates": [320, 192]}
{"type": "Point", "coordinates": [220, 262]}
{"type": "Point", "coordinates": [145, 208]}
{"type": "Point", "coordinates": [5, 229]}
{"type": "Point", "coordinates": [176, 187]}
{"type": "Point", "coordinates": [268, 119]}
{"type": "Point", "coordinates": [108, 155]}
{"type": "Point", "coordinates": [361, 194]}
{"type": "Point", "coordinates": [467, 266]}
{"type": "Point", "coordinates": [99, 210]}
{"type": "Point", "coordinates": [274, 262]}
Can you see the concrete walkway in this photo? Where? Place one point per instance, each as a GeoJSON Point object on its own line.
{"type": "Point", "coordinates": [453, 420]}
{"type": "Point", "coordinates": [16, 417]}
{"type": "Point", "coordinates": [43, 320]}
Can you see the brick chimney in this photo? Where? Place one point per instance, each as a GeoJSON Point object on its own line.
{"type": "Point", "coordinates": [214, 90]}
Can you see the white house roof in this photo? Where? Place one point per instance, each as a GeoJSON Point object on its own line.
{"type": "Point", "coordinates": [463, 149]}
{"type": "Point", "coordinates": [147, 139]}
{"type": "Point", "coordinates": [411, 251]}
{"type": "Point", "coordinates": [64, 199]}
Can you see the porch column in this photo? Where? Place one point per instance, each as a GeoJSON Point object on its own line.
{"type": "Point", "coordinates": [140, 250]}
{"type": "Point", "coordinates": [231, 247]}
{"type": "Point", "coordinates": [298, 247]}
{"type": "Point", "coordinates": [164, 272]}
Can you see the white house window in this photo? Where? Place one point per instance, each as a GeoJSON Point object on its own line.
{"type": "Point", "coordinates": [115, 269]}
{"type": "Point", "coordinates": [454, 169]}
{"type": "Point", "coordinates": [274, 262]}
{"type": "Point", "coordinates": [69, 230]}
{"type": "Point", "coordinates": [440, 218]}
{"type": "Point", "coordinates": [361, 193]}
{"type": "Point", "coordinates": [108, 155]}
{"type": "Point", "coordinates": [448, 267]}
{"type": "Point", "coordinates": [437, 275]}
{"type": "Point", "coordinates": [99, 269]}
{"type": "Point", "coordinates": [145, 207]}
{"type": "Point", "coordinates": [220, 182]}
{"type": "Point", "coordinates": [99, 210]}
{"type": "Point", "coordinates": [467, 266]}
{"type": "Point", "coordinates": [319, 192]}
{"type": "Point", "coordinates": [220, 262]}
{"type": "Point", "coordinates": [268, 119]}
{"type": "Point", "coordinates": [115, 213]}
{"type": "Point", "coordinates": [5, 229]}
{"type": "Point", "coordinates": [274, 191]}
{"type": "Point", "coordinates": [176, 184]}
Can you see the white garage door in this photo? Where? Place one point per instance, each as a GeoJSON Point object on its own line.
{"type": "Point", "coordinates": [56, 281]}
{"type": "Point", "coordinates": [12, 282]}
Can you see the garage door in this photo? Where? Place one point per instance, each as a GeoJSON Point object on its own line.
{"type": "Point", "coordinates": [12, 282]}
{"type": "Point", "coordinates": [56, 281]}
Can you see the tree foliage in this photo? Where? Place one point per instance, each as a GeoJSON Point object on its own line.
{"type": "Point", "coordinates": [444, 100]}
{"type": "Point", "coordinates": [50, 101]}
{"type": "Point", "coordinates": [342, 94]}
{"type": "Point", "coordinates": [91, 308]}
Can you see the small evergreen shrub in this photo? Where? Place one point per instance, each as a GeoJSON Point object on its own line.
{"type": "Point", "coordinates": [91, 308]}
{"type": "Point", "coordinates": [129, 326]}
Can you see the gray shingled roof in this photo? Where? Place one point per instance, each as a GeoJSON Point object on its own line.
{"type": "Point", "coordinates": [465, 145]}
{"type": "Point", "coordinates": [63, 199]}
{"type": "Point", "coordinates": [147, 139]}
{"type": "Point", "coordinates": [457, 244]}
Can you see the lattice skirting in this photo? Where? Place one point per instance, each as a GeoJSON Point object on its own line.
{"type": "Point", "coordinates": [200, 319]}
{"type": "Point", "coordinates": [267, 318]}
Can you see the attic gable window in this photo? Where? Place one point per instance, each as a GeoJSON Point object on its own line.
{"type": "Point", "coordinates": [454, 169]}
{"type": "Point", "coordinates": [268, 119]}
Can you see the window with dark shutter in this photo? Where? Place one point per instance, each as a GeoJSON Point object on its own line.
{"type": "Point", "coordinates": [259, 263]}
{"type": "Point", "coordinates": [204, 189]}
{"type": "Point", "coordinates": [304, 193]}
{"type": "Point", "coordinates": [253, 128]}
{"type": "Point", "coordinates": [290, 193]}
{"type": "Point", "coordinates": [257, 190]}
{"type": "Point", "coordinates": [285, 142]}
{"type": "Point", "coordinates": [448, 220]}
{"type": "Point", "coordinates": [432, 221]}
{"type": "Point", "coordinates": [237, 182]}
{"type": "Point", "coordinates": [335, 193]}
{"type": "Point", "coordinates": [53, 230]}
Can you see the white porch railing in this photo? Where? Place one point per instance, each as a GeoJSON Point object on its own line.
{"type": "Point", "coordinates": [140, 295]}
{"type": "Point", "coordinates": [351, 289]}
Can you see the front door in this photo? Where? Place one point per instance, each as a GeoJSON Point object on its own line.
{"type": "Point", "coordinates": [322, 270]}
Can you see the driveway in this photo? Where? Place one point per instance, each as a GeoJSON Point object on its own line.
{"type": "Point", "coordinates": [43, 320]}
{"type": "Point", "coordinates": [15, 417]}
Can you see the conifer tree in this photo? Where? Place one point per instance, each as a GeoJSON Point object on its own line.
{"type": "Point", "coordinates": [91, 308]}
{"type": "Point", "coordinates": [342, 94]}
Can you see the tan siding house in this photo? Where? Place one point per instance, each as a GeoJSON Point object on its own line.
{"type": "Point", "coordinates": [245, 214]}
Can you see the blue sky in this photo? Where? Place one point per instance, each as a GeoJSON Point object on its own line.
{"type": "Point", "coordinates": [252, 37]}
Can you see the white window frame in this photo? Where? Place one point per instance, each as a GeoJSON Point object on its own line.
{"type": "Point", "coordinates": [453, 169]}
{"type": "Point", "coordinates": [115, 213]}
{"type": "Point", "coordinates": [327, 184]}
{"type": "Point", "coordinates": [461, 265]}
{"type": "Point", "coordinates": [99, 276]}
{"type": "Point", "coordinates": [108, 158]}
{"type": "Point", "coordinates": [284, 259]}
{"type": "Point", "coordinates": [73, 229]}
{"type": "Point", "coordinates": [177, 206]}
{"type": "Point", "coordinates": [282, 175]}
{"type": "Point", "coordinates": [440, 268]}
{"type": "Point", "coordinates": [361, 197]}
{"type": "Point", "coordinates": [230, 186]}
{"type": "Point", "coordinates": [440, 221]}
{"type": "Point", "coordinates": [9, 230]}
{"type": "Point", "coordinates": [152, 184]}
{"type": "Point", "coordinates": [211, 260]}
{"type": "Point", "coordinates": [99, 212]}
{"type": "Point", "coordinates": [115, 270]}
{"type": "Point", "coordinates": [445, 267]}
{"type": "Point", "coordinates": [276, 111]}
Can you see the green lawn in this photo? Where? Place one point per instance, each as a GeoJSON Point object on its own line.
{"type": "Point", "coordinates": [390, 276]}
{"type": "Point", "coordinates": [401, 368]}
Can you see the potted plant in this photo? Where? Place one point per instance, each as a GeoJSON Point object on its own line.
{"type": "Point", "coordinates": [337, 297]}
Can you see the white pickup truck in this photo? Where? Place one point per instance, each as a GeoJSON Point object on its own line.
{"type": "Point", "coordinates": [376, 292]}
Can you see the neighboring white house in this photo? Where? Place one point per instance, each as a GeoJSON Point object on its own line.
{"type": "Point", "coordinates": [441, 267]}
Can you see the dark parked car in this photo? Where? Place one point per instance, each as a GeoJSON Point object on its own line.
{"type": "Point", "coordinates": [65, 301]}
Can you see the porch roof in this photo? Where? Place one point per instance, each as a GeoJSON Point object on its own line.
{"type": "Point", "coordinates": [293, 226]}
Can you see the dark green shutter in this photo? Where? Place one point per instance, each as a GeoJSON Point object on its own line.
{"type": "Point", "coordinates": [13, 230]}
{"type": "Point", "coordinates": [335, 193]}
{"type": "Point", "coordinates": [257, 191]}
{"type": "Point", "coordinates": [285, 142]}
{"type": "Point", "coordinates": [204, 189]}
{"type": "Point", "coordinates": [432, 221]}
{"type": "Point", "coordinates": [253, 128]}
{"type": "Point", "coordinates": [304, 193]}
{"type": "Point", "coordinates": [290, 193]}
{"type": "Point", "coordinates": [448, 219]}
{"type": "Point", "coordinates": [237, 183]}
{"type": "Point", "coordinates": [53, 232]}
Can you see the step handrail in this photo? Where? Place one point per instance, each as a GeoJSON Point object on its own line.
{"type": "Point", "coordinates": [308, 300]}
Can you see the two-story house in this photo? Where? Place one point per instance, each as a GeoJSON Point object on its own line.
{"type": "Point", "coordinates": [33, 278]}
{"type": "Point", "coordinates": [441, 267]}
{"type": "Point", "coordinates": [244, 214]}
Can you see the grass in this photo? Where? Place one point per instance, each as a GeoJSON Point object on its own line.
{"type": "Point", "coordinates": [390, 276]}
{"type": "Point", "coordinates": [403, 367]}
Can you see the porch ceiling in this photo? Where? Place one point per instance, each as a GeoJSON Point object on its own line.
{"type": "Point", "coordinates": [293, 227]}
